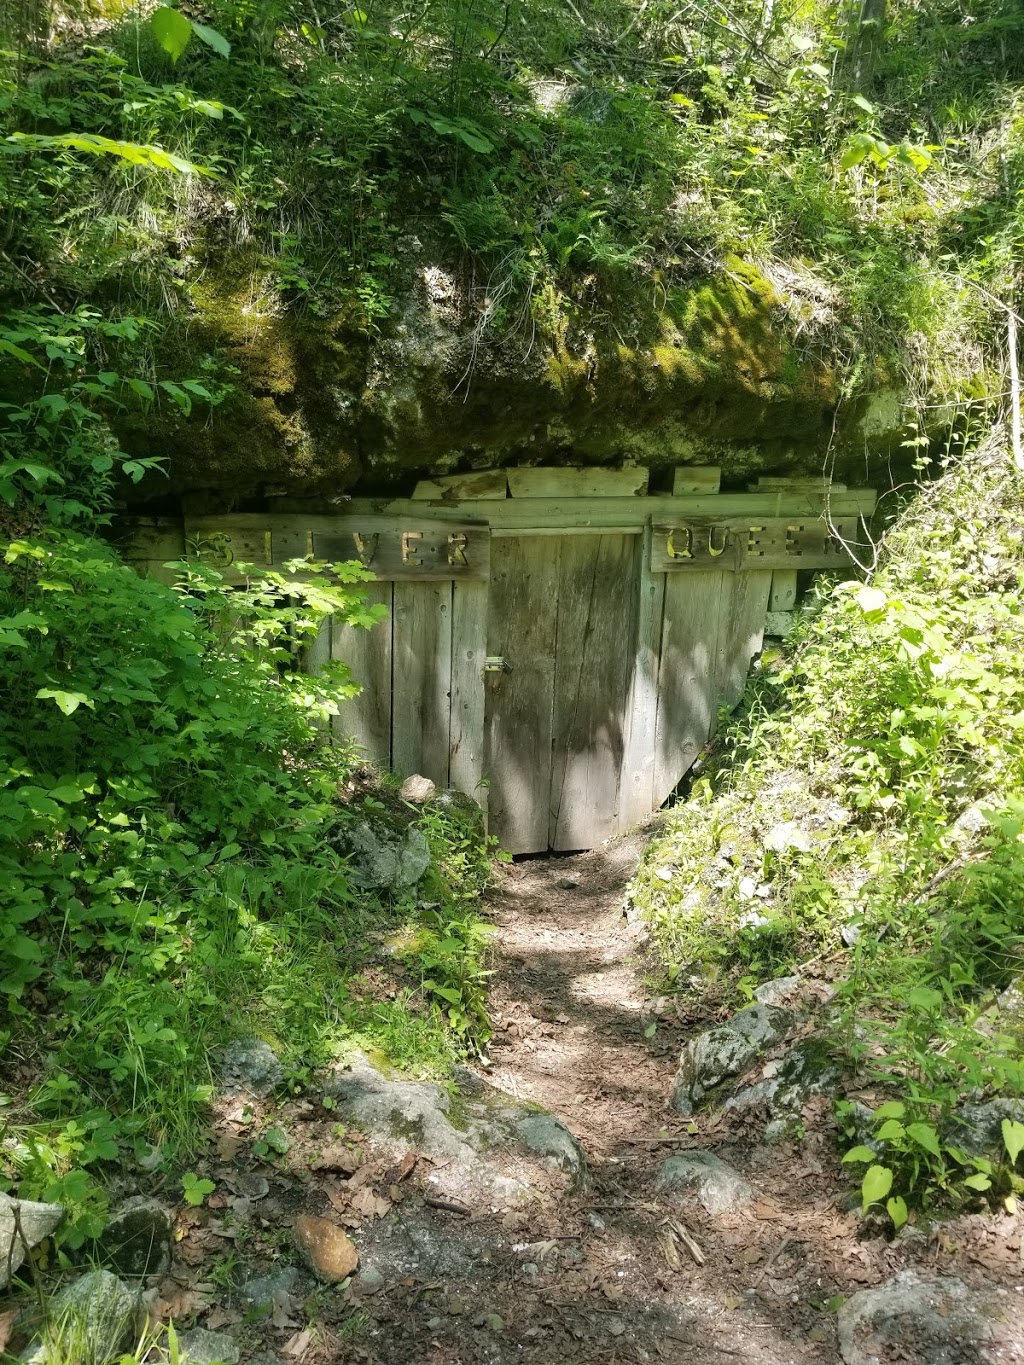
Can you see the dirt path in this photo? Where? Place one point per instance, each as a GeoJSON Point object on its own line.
{"type": "Point", "coordinates": [618, 1272]}
{"type": "Point", "coordinates": [568, 1001]}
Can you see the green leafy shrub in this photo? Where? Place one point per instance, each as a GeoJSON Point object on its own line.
{"type": "Point", "coordinates": [861, 810]}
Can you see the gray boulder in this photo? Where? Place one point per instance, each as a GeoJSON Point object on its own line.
{"type": "Point", "coordinates": [249, 1066]}
{"type": "Point", "coordinates": [91, 1321]}
{"type": "Point", "coordinates": [807, 1069]}
{"type": "Point", "coordinates": [200, 1347]}
{"type": "Point", "coordinates": [716, 1185]}
{"type": "Point", "coordinates": [978, 1128]}
{"type": "Point", "coordinates": [137, 1240]}
{"type": "Point", "coordinates": [930, 1320]}
{"type": "Point", "coordinates": [483, 1141]}
{"type": "Point", "coordinates": [725, 1051]}
{"type": "Point", "coordinates": [36, 1223]}
{"type": "Point", "coordinates": [383, 860]}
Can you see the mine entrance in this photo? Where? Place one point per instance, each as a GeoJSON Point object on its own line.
{"type": "Point", "coordinates": [558, 642]}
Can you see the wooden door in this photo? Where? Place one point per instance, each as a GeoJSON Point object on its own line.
{"type": "Point", "coordinates": [562, 615]}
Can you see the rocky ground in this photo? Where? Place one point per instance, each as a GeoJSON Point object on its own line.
{"type": "Point", "coordinates": [559, 1209]}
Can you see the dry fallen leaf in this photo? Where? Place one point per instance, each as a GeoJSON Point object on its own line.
{"type": "Point", "coordinates": [369, 1205]}
{"type": "Point", "coordinates": [338, 1159]}
{"type": "Point", "coordinates": [298, 1345]}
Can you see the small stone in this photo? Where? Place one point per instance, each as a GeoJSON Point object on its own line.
{"type": "Point", "coordinates": [494, 1323]}
{"type": "Point", "coordinates": [370, 1280]}
{"type": "Point", "coordinates": [545, 1135]}
{"type": "Point", "coordinates": [417, 789]}
{"type": "Point", "coordinates": [716, 1185]}
{"type": "Point", "coordinates": [456, 1307]}
{"type": "Point", "coordinates": [531, 1268]}
{"type": "Point", "coordinates": [261, 1291]}
{"type": "Point", "coordinates": [850, 934]}
{"type": "Point", "coordinates": [567, 883]}
{"type": "Point", "coordinates": [249, 1066]}
{"type": "Point", "coordinates": [596, 1222]}
{"type": "Point", "coordinates": [616, 1327]}
{"type": "Point", "coordinates": [137, 1240]}
{"type": "Point", "coordinates": [37, 1222]}
{"type": "Point", "coordinates": [434, 1323]}
{"type": "Point", "coordinates": [200, 1347]}
{"type": "Point", "coordinates": [325, 1247]}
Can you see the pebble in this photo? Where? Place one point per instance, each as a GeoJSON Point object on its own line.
{"type": "Point", "coordinates": [326, 1248]}
{"type": "Point", "coordinates": [596, 1222]}
{"type": "Point", "coordinates": [494, 1323]}
{"type": "Point", "coordinates": [567, 883]}
{"type": "Point", "coordinates": [530, 1268]}
{"type": "Point", "coordinates": [370, 1280]}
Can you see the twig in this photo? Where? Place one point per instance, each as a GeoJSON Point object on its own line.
{"type": "Point", "coordinates": [771, 1261]}
{"type": "Point", "coordinates": [448, 1205]}
{"type": "Point", "coordinates": [688, 1242]}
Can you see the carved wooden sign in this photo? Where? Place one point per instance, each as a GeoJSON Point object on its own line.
{"type": "Point", "coordinates": [735, 544]}
{"type": "Point", "coordinates": [389, 548]}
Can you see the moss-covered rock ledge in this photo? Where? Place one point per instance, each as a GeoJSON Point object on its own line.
{"type": "Point", "coordinates": [708, 372]}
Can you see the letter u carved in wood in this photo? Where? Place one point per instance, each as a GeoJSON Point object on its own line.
{"type": "Point", "coordinates": [711, 541]}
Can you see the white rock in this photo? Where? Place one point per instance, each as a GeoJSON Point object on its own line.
{"type": "Point", "coordinates": [417, 789]}
{"type": "Point", "coordinates": [37, 1222]}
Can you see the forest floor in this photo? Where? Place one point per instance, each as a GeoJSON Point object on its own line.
{"type": "Point", "coordinates": [598, 1275]}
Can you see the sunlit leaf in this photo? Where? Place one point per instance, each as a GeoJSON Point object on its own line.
{"type": "Point", "coordinates": [171, 30]}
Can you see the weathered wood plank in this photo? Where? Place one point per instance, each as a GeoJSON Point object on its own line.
{"type": "Point", "coordinates": [469, 651]}
{"type": "Point", "coordinates": [419, 552]}
{"type": "Point", "coordinates": [367, 652]}
{"type": "Point", "coordinates": [484, 483]}
{"type": "Point", "coordinates": [421, 680]}
{"type": "Point", "coordinates": [783, 594]}
{"type": "Point", "coordinates": [594, 649]}
{"type": "Point", "coordinates": [521, 629]}
{"type": "Point", "coordinates": [292, 530]}
{"type": "Point", "coordinates": [743, 544]}
{"type": "Point", "coordinates": [744, 604]}
{"type": "Point", "coordinates": [687, 676]}
{"type": "Point", "coordinates": [150, 539]}
{"type": "Point", "coordinates": [637, 799]}
{"type": "Point", "coordinates": [769, 483]}
{"type": "Point", "coordinates": [696, 479]}
{"type": "Point", "coordinates": [577, 483]}
{"type": "Point", "coordinates": [315, 655]}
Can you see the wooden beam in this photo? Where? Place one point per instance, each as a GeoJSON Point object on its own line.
{"type": "Point", "coordinates": [485, 483]}
{"type": "Point", "coordinates": [696, 479]}
{"type": "Point", "coordinates": [577, 483]}
{"type": "Point", "coordinates": [772, 484]}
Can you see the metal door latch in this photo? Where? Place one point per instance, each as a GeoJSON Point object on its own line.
{"type": "Point", "coordinates": [495, 664]}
